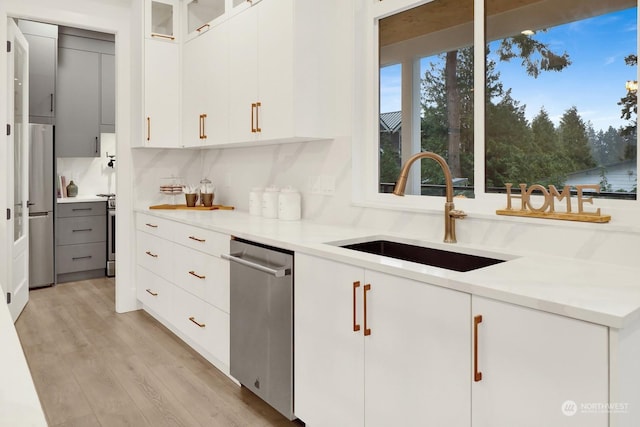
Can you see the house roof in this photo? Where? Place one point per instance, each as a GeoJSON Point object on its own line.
{"type": "Point", "coordinates": [391, 122]}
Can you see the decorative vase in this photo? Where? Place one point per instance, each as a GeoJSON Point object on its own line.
{"type": "Point", "coordinates": [72, 189]}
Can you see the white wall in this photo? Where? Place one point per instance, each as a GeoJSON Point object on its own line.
{"type": "Point", "coordinates": [109, 16]}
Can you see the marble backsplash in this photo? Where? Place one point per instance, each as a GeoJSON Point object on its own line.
{"type": "Point", "coordinates": [235, 171]}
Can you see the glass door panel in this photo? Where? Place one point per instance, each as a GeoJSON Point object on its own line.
{"type": "Point", "coordinates": [19, 142]}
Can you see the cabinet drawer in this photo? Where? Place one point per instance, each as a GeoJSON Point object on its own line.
{"type": "Point", "coordinates": [203, 275]}
{"type": "Point", "coordinates": [154, 292]}
{"type": "Point", "coordinates": [84, 229]}
{"type": "Point", "coordinates": [157, 226]}
{"type": "Point", "coordinates": [81, 209]}
{"type": "Point", "coordinates": [201, 239]}
{"type": "Point", "coordinates": [154, 254]}
{"type": "Point", "coordinates": [82, 257]}
{"type": "Point", "coordinates": [207, 326]}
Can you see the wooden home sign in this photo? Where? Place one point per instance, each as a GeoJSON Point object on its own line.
{"type": "Point", "coordinates": [547, 209]}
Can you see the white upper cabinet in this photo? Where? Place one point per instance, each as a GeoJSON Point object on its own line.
{"type": "Point", "coordinates": [161, 19]}
{"type": "Point", "coordinates": [279, 89]}
{"type": "Point", "coordinates": [205, 107]}
{"type": "Point", "coordinates": [201, 15]}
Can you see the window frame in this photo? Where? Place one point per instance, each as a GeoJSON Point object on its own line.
{"type": "Point", "coordinates": [366, 121]}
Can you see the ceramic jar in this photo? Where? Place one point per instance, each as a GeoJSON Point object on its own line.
{"type": "Point", "coordinates": [270, 202]}
{"type": "Point", "coordinates": [289, 202]}
{"type": "Point", "coordinates": [255, 201]}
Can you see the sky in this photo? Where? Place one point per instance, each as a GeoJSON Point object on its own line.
{"type": "Point", "coordinates": [593, 83]}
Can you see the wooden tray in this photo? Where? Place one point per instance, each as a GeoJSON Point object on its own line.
{"type": "Point", "coordinates": [194, 208]}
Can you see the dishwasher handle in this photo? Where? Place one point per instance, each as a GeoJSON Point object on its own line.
{"type": "Point", "coordinates": [277, 272]}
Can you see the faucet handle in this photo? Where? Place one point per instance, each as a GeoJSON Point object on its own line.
{"type": "Point", "coordinates": [456, 213]}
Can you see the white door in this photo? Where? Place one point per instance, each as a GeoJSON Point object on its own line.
{"type": "Point", "coordinates": [17, 187]}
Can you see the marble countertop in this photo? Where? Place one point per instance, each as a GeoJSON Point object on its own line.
{"type": "Point", "coordinates": [19, 403]}
{"type": "Point", "coordinates": [80, 199]}
{"type": "Point", "coordinates": [594, 292]}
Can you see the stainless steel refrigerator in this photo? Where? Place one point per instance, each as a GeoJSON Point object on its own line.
{"type": "Point", "coordinates": [41, 198]}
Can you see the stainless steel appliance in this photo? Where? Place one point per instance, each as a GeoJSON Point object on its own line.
{"type": "Point", "coordinates": [41, 197]}
{"type": "Point", "coordinates": [261, 318]}
{"type": "Point", "coordinates": [111, 233]}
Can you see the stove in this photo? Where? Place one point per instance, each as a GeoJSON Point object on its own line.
{"type": "Point", "coordinates": [111, 233]}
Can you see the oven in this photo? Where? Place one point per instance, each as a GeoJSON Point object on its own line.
{"type": "Point", "coordinates": [111, 236]}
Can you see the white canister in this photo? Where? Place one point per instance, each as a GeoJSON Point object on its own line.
{"type": "Point", "coordinates": [289, 202]}
{"type": "Point", "coordinates": [255, 201]}
{"type": "Point", "coordinates": [270, 202]}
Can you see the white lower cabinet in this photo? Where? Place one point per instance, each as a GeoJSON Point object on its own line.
{"type": "Point", "coordinates": [186, 289]}
{"type": "Point", "coordinates": [378, 350]}
{"type": "Point", "coordinates": [538, 369]}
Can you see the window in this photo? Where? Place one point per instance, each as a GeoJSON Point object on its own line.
{"type": "Point", "coordinates": [559, 95]}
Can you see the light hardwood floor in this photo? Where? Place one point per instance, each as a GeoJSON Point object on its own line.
{"type": "Point", "coordinates": [94, 367]}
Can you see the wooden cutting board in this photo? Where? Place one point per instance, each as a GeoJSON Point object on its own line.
{"type": "Point", "coordinates": [194, 208]}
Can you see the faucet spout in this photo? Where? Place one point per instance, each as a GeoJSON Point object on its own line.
{"type": "Point", "coordinates": [450, 213]}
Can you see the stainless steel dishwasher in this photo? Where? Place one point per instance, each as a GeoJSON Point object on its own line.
{"type": "Point", "coordinates": [261, 317]}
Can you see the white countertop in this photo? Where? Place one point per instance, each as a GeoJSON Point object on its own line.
{"type": "Point", "coordinates": [595, 292]}
{"type": "Point", "coordinates": [19, 403]}
{"type": "Point", "coordinates": [80, 199]}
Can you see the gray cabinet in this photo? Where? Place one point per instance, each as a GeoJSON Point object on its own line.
{"type": "Point", "coordinates": [43, 46]}
{"type": "Point", "coordinates": [81, 240]}
{"type": "Point", "coordinates": [85, 100]}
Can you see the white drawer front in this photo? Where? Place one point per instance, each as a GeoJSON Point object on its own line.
{"type": "Point", "coordinates": [157, 226]}
{"type": "Point", "coordinates": [155, 254]}
{"type": "Point", "coordinates": [202, 239]}
{"type": "Point", "coordinates": [154, 292]}
{"type": "Point", "coordinates": [205, 276]}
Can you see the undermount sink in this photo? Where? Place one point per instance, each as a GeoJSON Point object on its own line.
{"type": "Point", "coordinates": [449, 260]}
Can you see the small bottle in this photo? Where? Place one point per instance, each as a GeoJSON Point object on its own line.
{"type": "Point", "coordinates": [72, 189]}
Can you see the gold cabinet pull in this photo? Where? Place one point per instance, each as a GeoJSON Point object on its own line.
{"type": "Point", "coordinates": [151, 225]}
{"type": "Point", "coordinates": [202, 26]}
{"type": "Point", "coordinates": [193, 273]}
{"type": "Point", "coordinates": [258, 105]}
{"type": "Point", "coordinates": [200, 126]}
{"type": "Point", "coordinates": [253, 128]}
{"type": "Point", "coordinates": [367, 331]}
{"type": "Point", "coordinates": [151, 254]}
{"type": "Point", "coordinates": [356, 327]}
{"type": "Point", "coordinates": [203, 118]}
{"type": "Point", "coordinates": [197, 240]}
{"type": "Point", "coordinates": [150, 292]}
{"type": "Point", "coordinates": [148, 128]}
{"type": "Point", "coordinates": [477, 375]}
{"type": "Point", "coordinates": [193, 319]}
{"type": "Point", "coordinates": [162, 36]}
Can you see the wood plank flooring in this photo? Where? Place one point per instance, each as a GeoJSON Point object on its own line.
{"type": "Point", "coordinates": [94, 367]}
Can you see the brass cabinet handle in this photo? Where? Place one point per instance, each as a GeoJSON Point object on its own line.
{"type": "Point", "coordinates": [193, 273]}
{"type": "Point", "coordinates": [253, 128]}
{"type": "Point", "coordinates": [202, 26]}
{"type": "Point", "coordinates": [148, 128]}
{"type": "Point", "coordinates": [193, 319]}
{"type": "Point", "coordinates": [258, 105]}
{"type": "Point", "coordinates": [197, 240]}
{"type": "Point", "coordinates": [356, 327]}
{"type": "Point", "coordinates": [367, 331]}
{"type": "Point", "coordinates": [151, 254]}
{"type": "Point", "coordinates": [477, 375]}
{"type": "Point", "coordinates": [203, 118]}
{"type": "Point", "coordinates": [200, 126]}
{"type": "Point", "coordinates": [162, 36]}
{"type": "Point", "coordinates": [151, 225]}
{"type": "Point", "coordinates": [155, 294]}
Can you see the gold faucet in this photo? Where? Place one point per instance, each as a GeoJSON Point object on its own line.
{"type": "Point", "coordinates": [450, 213]}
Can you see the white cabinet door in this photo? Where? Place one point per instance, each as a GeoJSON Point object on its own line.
{"type": "Point", "coordinates": [243, 81]}
{"type": "Point", "coordinates": [161, 94]}
{"type": "Point", "coordinates": [329, 354]}
{"type": "Point", "coordinates": [161, 19]}
{"type": "Point", "coordinates": [417, 369]}
{"type": "Point", "coordinates": [538, 369]}
{"type": "Point", "coordinates": [205, 89]}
